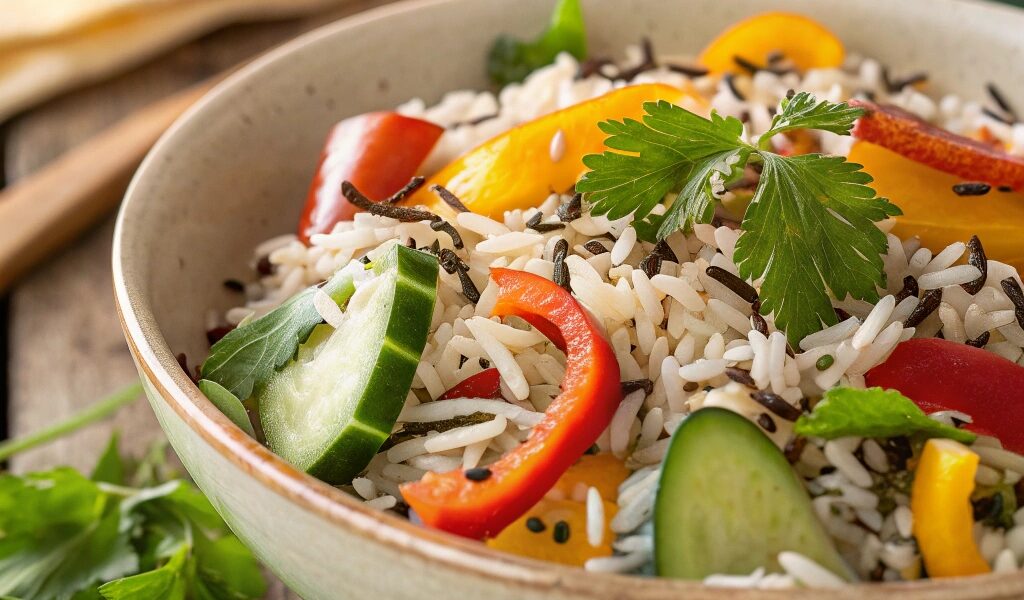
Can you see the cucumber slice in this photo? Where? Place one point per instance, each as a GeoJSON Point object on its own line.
{"type": "Point", "coordinates": [329, 411]}
{"type": "Point", "coordinates": [729, 502]}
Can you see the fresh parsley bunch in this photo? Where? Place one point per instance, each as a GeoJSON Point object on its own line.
{"type": "Point", "coordinates": [809, 233]}
{"type": "Point", "coordinates": [118, 536]}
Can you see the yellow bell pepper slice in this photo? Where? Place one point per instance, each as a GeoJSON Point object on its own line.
{"type": "Point", "coordinates": [576, 550]}
{"type": "Point", "coordinates": [805, 42]}
{"type": "Point", "coordinates": [602, 471]}
{"type": "Point", "coordinates": [519, 168]}
{"type": "Point", "coordinates": [938, 216]}
{"type": "Point", "coordinates": [940, 503]}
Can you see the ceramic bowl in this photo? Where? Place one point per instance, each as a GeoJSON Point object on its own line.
{"type": "Point", "coordinates": [234, 171]}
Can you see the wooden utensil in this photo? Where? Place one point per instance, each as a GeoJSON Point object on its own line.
{"type": "Point", "coordinates": [44, 211]}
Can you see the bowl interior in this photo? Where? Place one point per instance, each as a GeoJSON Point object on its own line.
{"type": "Point", "coordinates": [234, 171]}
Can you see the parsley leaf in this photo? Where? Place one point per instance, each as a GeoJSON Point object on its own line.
{"type": "Point", "coordinates": [810, 231]}
{"type": "Point", "coordinates": [665, 150]}
{"type": "Point", "coordinates": [874, 413]}
{"type": "Point", "coordinates": [228, 403]}
{"type": "Point", "coordinates": [511, 60]}
{"type": "Point", "coordinates": [804, 111]}
{"type": "Point", "coordinates": [246, 357]}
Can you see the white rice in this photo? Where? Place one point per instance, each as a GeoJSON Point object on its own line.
{"type": "Point", "coordinates": [680, 328]}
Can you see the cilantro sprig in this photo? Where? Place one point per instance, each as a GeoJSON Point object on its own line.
{"type": "Point", "coordinates": [116, 536]}
{"type": "Point", "coordinates": [874, 413]}
{"type": "Point", "coordinates": [808, 235]}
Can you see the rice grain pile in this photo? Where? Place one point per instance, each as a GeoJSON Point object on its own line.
{"type": "Point", "coordinates": [679, 322]}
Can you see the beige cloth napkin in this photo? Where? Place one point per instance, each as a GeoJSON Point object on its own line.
{"type": "Point", "coordinates": [49, 46]}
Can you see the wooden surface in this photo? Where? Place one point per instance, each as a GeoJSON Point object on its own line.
{"type": "Point", "coordinates": [65, 345]}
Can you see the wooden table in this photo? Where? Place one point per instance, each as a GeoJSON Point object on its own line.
{"type": "Point", "coordinates": [65, 349]}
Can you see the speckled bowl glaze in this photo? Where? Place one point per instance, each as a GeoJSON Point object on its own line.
{"type": "Point", "coordinates": [234, 171]}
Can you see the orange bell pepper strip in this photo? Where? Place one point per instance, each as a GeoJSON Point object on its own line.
{"type": "Point", "coordinates": [805, 42]}
{"type": "Point", "coordinates": [941, 504]}
{"type": "Point", "coordinates": [574, 420]}
{"type": "Point", "coordinates": [490, 179]}
{"type": "Point", "coordinates": [377, 152]}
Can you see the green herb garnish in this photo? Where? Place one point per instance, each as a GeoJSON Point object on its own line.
{"type": "Point", "coordinates": [809, 232]}
{"type": "Point", "coordinates": [246, 357]}
{"type": "Point", "coordinates": [873, 413]}
{"type": "Point", "coordinates": [69, 537]}
{"type": "Point", "coordinates": [511, 60]}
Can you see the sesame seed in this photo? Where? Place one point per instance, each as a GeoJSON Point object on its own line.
{"type": "Point", "coordinates": [535, 525]}
{"type": "Point", "coordinates": [971, 188]}
{"type": "Point", "coordinates": [561, 532]}
{"type": "Point", "coordinates": [478, 474]}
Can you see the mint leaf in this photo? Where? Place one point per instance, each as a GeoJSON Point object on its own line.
{"type": "Point", "coordinates": [809, 232]}
{"type": "Point", "coordinates": [804, 111]}
{"type": "Point", "coordinates": [228, 404]}
{"type": "Point", "coordinates": [664, 152]}
{"type": "Point", "coordinates": [511, 60]}
{"type": "Point", "coordinates": [874, 413]}
{"type": "Point", "coordinates": [247, 356]}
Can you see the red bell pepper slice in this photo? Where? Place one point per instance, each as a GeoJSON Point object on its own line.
{"type": "Point", "coordinates": [572, 423]}
{"type": "Point", "coordinates": [377, 152]}
{"type": "Point", "coordinates": [943, 375]}
{"type": "Point", "coordinates": [485, 384]}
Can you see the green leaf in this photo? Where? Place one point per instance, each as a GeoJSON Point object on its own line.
{"type": "Point", "coordinates": [110, 467]}
{"type": "Point", "coordinates": [511, 60]}
{"type": "Point", "coordinates": [809, 233]}
{"type": "Point", "coordinates": [225, 569]}
{"type": "Point", "coordinates": [228, 404]}
{"type": "Point", "coordinates": [664, 152]}
{"type": "Point", "coordinates": [696, 201]}
{"type": "Point", "coordinates": [804, 111]}
{"type": "Point", "coordinates": [874, 413]}
{"type": "Point", "coordinates": [165, 583]}
{"type": "Point", "coordinates": [247, 356]}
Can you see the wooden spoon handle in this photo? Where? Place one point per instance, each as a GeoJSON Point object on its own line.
{"type": "Point", "coordinates": [42, 212]}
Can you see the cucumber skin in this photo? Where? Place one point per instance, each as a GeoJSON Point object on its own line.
{"type": "Point", "coordinates": [404, 339]}
{"type": "Point", "coordinates": [711, 440]}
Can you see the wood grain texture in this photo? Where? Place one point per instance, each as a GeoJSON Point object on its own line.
{"type": "Point", "coordinates": [66, 348]}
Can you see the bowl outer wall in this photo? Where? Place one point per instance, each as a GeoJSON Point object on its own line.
{"type": "Point", "coordinates": [234, 170]}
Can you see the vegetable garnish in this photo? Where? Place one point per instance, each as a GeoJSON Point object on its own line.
{"type": "Point", "coordinates": [573, 421]}
{"type": "Point", "coordinates": [249, 355]}
{"type": "Point", "coordinates": [809, 231]}
{"type": "Point", "coordinates": [943, 375]}
{"type": "Point", "coordinates": [117, 537]}
{"type": "Point", "coordinates": [511, 60]}
{"type": "Point", "coordinates": [874, 413]}
{"type": "Point", "coordinates": [940, 503]}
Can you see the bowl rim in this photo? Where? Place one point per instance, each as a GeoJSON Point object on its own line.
{"type": "Point", "coordinates": [161, 371]}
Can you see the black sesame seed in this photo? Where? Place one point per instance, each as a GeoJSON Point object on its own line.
{"type": "Point", "coordinates": [535, 525]}
{"type": "Point", "coordinates": [971, 188]}
{"type": "Point", "coordinates": [234, 285]}
{"type": "Point", "coordinates": [561, 532]}
{"type": "Point", "coordinates": [790, 93]}
{"type": "Point", "coordinates": [766, 422]}
{"type": "Point", "coordinates": [478, 474]}
{"type": "Point", "coordinates": [826, 470]}
{"type": "Point", "coordinates": [824, 362]}
{"type": "Point", "coordinates": [365, 260]}
{"type": "Point", "coordinates": [484, 363]}
{"type": "Point", "coordinates": [708, 388]}
{"type": "Point", "coordinates": [1005, 188]}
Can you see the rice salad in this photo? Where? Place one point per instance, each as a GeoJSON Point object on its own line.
{"type": "Point", "coordinates": [686, 327]}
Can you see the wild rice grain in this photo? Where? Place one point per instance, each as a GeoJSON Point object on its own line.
{"type": "Point", "coordinates": [976, 258]}
{"type": "Point", "coordinates": [739, 287]}
{"type": "Point", "coordinates": [449, 198]}
{"type": "Point", "coordinates": [971, 188]}
{"type": "Point", "coordinates": [777, 405]}
{"type": "Point", "coordinates": [766, 422]}
{"type": "Point", "coordinates": [595, 247]}
{"type": "Point", "coordinates": [981, 341]}
{"type": "Point", "coordinates": [910, 289]}
{"type": "Point", "coordinates": [633, 385]}
{"type": "Point", "coordinates": [929, 302]}
{"type": "Point", "coordinates": [561, 275]}
{"type": "Point", "coordinates": [741, 376]}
